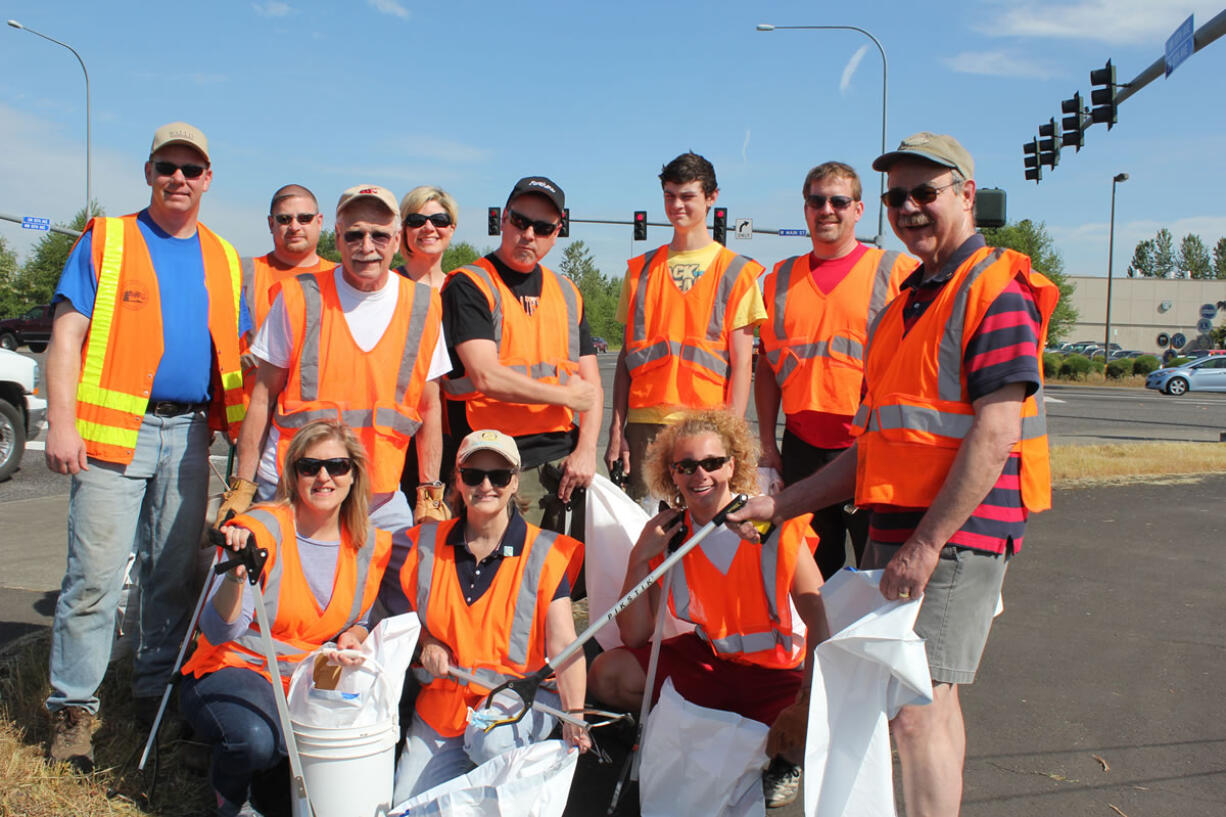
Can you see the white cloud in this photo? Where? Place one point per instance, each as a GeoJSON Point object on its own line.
{"type": "Point", "coordinates": [745, 147]}
{"type": "Point", "coordinates": [273, 8]}
{"type": "Point", "coordinates": [389, 7]}
{"type": "Point", "coordinates": [1084, 246]}
{"type": "Point", "coordinates": [997, 64]}
{"type": "Point", "coordinates": [1109, 21]}
{"type": "Point", "coordinates": [849, 70]}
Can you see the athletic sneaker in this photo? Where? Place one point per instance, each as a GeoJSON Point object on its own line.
{"type": "Point", "coordinates": [780, 783]}
{"type": "Point", "coordinates": [72, 737]}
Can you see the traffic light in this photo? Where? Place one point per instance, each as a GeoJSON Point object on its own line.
{"type": "Point", "coordinates": [640, 225]}
{"type": "Point", "coordinates": [1030, 157]}
{"type": "Point", "coordinates": [1103, 98]}
{"type": "Point", "coordinates": [564, 227]}
{"type": "Point", "coordinates": [1076, 119]}
{"type": "Point", "coordinates": [495, 221]}
{"type": "Point", "coordinates": [721, 225]}
{"type": "Point", "coordinates": [1049, 144]}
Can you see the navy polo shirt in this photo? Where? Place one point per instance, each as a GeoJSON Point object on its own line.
{"type": "Point", "coordinates": [476, 577]}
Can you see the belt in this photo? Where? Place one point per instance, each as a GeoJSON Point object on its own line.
{"type": "Point", "coordinates": [169, 408]}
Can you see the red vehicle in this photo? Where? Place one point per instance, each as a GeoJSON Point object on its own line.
{"type": "Point", "coordinates": [32, 329]}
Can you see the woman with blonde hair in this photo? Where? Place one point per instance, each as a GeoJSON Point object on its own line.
{"type": "Point", "coordinates": [747, 652]}
{"type": "Point", "coordinates": [324, 565]}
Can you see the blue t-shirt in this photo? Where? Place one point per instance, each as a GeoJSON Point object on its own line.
{"type": "Point", "coordinates": [184, 373]}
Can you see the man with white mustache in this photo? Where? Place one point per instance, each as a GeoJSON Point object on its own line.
{"type": "Point", "coordinates": [951, 450]}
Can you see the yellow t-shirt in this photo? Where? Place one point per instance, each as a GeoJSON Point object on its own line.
{"type": "Point", "coordinates": [686, 268]}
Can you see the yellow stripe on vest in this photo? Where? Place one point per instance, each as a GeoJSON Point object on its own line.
{"type": "Point", "coordinates": [111, 399]}
{"type": "Point", "coordinates": [107, 435]}
{"type": "Point", "coordinates": [104, 301]}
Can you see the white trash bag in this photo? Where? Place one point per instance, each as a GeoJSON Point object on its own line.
{"type": "Point", "coordinates": [613, 524]}
{"type": "Point", "coordinates": [530, 781]}
{"type": "Point", "coordinates": [701, 761]}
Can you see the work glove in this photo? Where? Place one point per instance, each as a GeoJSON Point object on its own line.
{"type": "Point", "coordinates": [430, 505]}
{"type": "Point", "coordinates": [236, 500]}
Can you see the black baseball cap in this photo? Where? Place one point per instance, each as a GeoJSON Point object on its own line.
{"type": "Point", "coordinates": [541, 186]}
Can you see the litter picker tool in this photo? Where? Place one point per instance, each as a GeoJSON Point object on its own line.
{"type": "Point", "coordinates": [525, 688]}
{"type": "Point", "coordinates": [575, 719]}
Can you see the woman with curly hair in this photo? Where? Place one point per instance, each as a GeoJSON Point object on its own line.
{"type": "Point", "coordinates": [746, 653]}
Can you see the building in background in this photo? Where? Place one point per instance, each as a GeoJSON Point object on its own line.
{"type": "Point", "coordinates": [1143, 309]}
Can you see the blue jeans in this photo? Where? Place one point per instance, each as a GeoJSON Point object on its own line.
{"type": "Point", "coordinates": [155, 505]}
{"type": "Point", "coordinates": [234, 709]}
{"type": "Point", "coordinates": [429, 759]}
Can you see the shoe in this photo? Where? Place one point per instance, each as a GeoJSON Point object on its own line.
{"type": "Point", "coordinates": [780, 783]}
{"type": "Point", "coordinates": [72, 737]}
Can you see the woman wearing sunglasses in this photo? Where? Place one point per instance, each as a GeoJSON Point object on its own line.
{"type": "Point", "coordinates": [493, 595]}
{"type": "Point", "coordinates": [747, 653]}
{"type": "Point", "coordinates": [427, 221]}
{"type": "Point", "coordinates": [324, 566]}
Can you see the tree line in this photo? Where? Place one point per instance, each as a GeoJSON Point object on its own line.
{"type": "Point", "coordinates": [1157, 258]}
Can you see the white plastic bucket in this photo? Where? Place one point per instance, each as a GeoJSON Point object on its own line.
{"type": "Point", "coordinates": [348, 772]}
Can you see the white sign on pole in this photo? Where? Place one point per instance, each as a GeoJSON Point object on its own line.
{"type": "Point", "coordinates": [744, 228]}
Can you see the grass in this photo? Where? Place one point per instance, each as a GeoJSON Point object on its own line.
{"type": "Point", "coordinates": [31, 788]}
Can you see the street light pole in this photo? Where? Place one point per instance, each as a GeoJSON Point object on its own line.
{"type": "Point", "coordinates": [1119, 177]}
{"type": "Point", "coordinates": [89, 201]}
{"type": "Point", "coordinates": [885, 84]}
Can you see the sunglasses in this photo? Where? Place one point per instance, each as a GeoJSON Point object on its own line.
{"type": "Point", "coordinates": [335, 466]}
{"type": "Point", "coordinates": [837, 202]}
{"type": "Point", "coordinates": [285, 219]}
{"type": "Point", "coordinates": [710, 465]}
{"type": "Point", "coordinates": [920, 194]}
{"type": "Point", "coordinates": [522, 222]}
{"type": "Point", "coordinates": [498, 477]}
{"type": "Point", "coordinates": [439, 220]}
{"type": "Point", "coordinates": [189, 171]}
{"type": "Point", "coordinates": [378, 237]}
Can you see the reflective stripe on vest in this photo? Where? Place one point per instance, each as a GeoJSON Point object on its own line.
{"type": "Point", "coordinates": [462, 386]}
{"type": "Point", "coordinates": [841, 346]}
{"type": "Point", "coordinates": [522, 616]}
{"type": "Point", "coordinates": [717, 363]}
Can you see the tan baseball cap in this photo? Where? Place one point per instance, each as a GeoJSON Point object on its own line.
{"type": "Point", "coordinates": [488, 439]}
{"type": "Point", "coordinates": [938, 148]}
{"type": "Point", "coordinates": [180, 133]}
{"type": "Point", "coordinates": [368, 191]}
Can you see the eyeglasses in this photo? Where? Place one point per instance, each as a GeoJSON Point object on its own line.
{"type": "Point", "coordinates": [498, 477]}
{"type": "Point", "coordinates": [837, 202]}
{"type": "Point", "coordinates": [710, 465]}
{"type": "Point", "coordinates": [439, 220]}
{"type": "Point", "coordinates": [541, 228]}
{"type": "Point", "coordinates": [335, 466]}
{"type": "Point", "coordinates": [285, 219]}
{"type": "Point", "coordinates": [920, 194]}
{"type": "Point", "coordinates": [189, 171]}
{"type": "Point", "coordinates": [379, 237]}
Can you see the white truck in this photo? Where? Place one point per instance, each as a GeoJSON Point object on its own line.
{"type": "Point", "coordinates": [22, 410]}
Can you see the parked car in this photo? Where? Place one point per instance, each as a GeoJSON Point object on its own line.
{"type": "Point", "coordinates": [1131, 354]}
{"type": "Point", "coordinates": [1204, 374]}
{"type": "Point", "coordinates": [32, 329]}
{"type": "Point", "coordinates": [600, 343]}
{"type": "Point", "coordinates": [22, 411]}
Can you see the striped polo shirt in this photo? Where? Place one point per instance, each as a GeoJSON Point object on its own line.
{"type": "Point", "coordinates": [1003, 349]}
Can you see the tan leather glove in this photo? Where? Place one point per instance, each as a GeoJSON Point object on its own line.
{"type": "Point", "coordinates": [236, 500]}
{"type": "Point", "coordinates": [430, 505]}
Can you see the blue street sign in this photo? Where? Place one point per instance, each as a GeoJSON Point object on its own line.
{"type": "Point", "coordinates": [800, 232]}
{"type": "Point", "coordinates": [32, 223]}
{"type": "Point", "coordinates": [1208, 311]}
{"type": "Point", "coordinates": [1179, 46]}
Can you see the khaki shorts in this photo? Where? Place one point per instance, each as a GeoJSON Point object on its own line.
{"type": "Point", "coordinates": [959, 604]}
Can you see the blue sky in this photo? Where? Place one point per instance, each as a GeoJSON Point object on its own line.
{"type": "Point", "coordinates": [472, 95]}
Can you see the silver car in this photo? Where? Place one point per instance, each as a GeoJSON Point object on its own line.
{"type": "Point", "coordinates": [1203, 374]}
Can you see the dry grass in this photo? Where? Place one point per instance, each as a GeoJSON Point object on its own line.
{"type": "Point", "coordinates": [1073, 465]}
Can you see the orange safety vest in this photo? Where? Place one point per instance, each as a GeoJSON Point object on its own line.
{"type": "Point", "coordinates": [376, 393]}
{"type": "Point", "coordinates": [260, 278]}
{"type": "Point", "coordinates": [543, 346]}
{"type": "Point", "coordinates": [745, 614]}
{"type": "Point", "coordinates": [299, 626]}
{"type": "Point", "coordinates": [814, 341]}
{"type": "Point", "coordinates": [124, 345]}
{"type": "Point", "coordinates": [501, 634]}
{"type": "Point", "coordinates": [916, 411]}
{"type": "Point", "coordinates": [677, 343]}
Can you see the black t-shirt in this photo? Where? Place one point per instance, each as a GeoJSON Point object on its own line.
{"type": "Point", "coordinates": [467, 316]}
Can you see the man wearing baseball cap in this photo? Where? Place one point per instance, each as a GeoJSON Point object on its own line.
{"type": "Point", "coordinates": [354, 343]}
{"type": "Point", "coordinates": [951, 449]}
{"type": "Point", "coordinates": [144, 361]}
{"type": "Point", "coordinates": [522, 353]}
